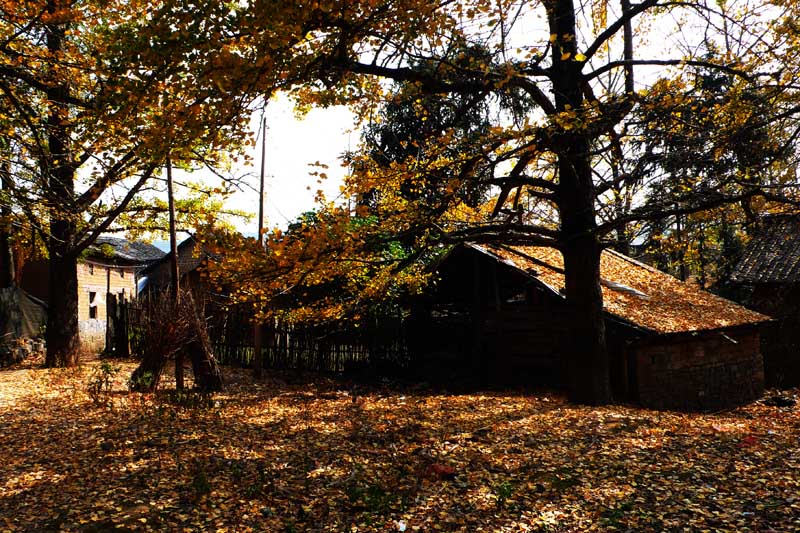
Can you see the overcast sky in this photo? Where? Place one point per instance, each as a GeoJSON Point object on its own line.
{"type": "Point", "coordinates": [293, 145]}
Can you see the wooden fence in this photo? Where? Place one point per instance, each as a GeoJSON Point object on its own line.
{"type": "Point", "coordinates": [377, 343]}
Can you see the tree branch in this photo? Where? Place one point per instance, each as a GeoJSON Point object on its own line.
{"type": "Point", "coordinates": [612, 29]}
{"type": "Point", "coordinates": [667, 62]}
{"type": "Point", "coordinates": [114, 213]}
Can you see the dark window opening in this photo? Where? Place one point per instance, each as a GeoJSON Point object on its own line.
{"type": "Point", "coordinates": [92, 305]}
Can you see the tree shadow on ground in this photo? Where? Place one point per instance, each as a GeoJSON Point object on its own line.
{"type": "Point", "coordinates": [308, 457]}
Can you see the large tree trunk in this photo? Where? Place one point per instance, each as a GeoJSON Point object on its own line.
{"type": "Point", "coordinates": [62, 312]}
{"type": "Point", "coordinates": [58, 167]}
{"type": "Point", "coordinates": [587, 357]}
{"type": "Point", "coordinates": [587, 363]}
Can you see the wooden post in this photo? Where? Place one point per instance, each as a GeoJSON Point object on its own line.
{"type": "Point", "coordinates": [173, 263]}
{"type": "Point", "coordinates": [111, 324]}
{"type": "Point", "coordinates": [123, 348]}
{"type": "Point", "coordinates": [109, 339]}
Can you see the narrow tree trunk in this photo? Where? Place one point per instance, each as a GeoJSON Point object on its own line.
{"type": "Point", "coordinates": [7, 277]}
{"type": "Point", "coordinates": [701, 255]}
{"type": "Point", "coordinates": [623, 240]}
{"type": "Point", "coordinates": [174, 288]}
{"type": "Point", "coordinates": [258, 350]}
{"type": "Point", "coordinates": [627, 48]}
{"type": "Point", "coordinates": [681, 251]}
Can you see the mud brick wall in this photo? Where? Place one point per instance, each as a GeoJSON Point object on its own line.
{"type": "Point", "coordinates": [95, 278]}
{"type": "Point", "coordinates": [704, 372]}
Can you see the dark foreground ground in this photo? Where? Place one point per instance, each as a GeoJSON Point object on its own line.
{"type": "Point", "coordinates": [319, 456]}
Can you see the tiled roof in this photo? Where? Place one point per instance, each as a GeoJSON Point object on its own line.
{"type": "Point", "coordinates": [130, 252]}
{"type": "Point", "coordinates": [635, 292]}
{"type": "Point", "coordinates": [188, 260]}
{"type": "Point", "coordinates": [773, 256]}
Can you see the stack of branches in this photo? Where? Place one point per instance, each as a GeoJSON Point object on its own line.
{"type": "Point", "coordinates": [175, 329]}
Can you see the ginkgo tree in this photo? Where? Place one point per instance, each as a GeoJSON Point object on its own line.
{"type": "Point", "coordinates": [94, 95]}
{"type": "Point", "coordinates": [588, 73]}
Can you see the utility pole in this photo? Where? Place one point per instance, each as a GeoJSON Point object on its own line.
{"type": "Point", "coordinates": [258, 328]}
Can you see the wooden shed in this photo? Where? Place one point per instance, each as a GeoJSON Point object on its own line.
{"type": "Point", "coordinates": [191, 256]}
{"type": "Point", "coordinates": [767, 278]}
{"type": "Point", "coordinates": [498, 312]}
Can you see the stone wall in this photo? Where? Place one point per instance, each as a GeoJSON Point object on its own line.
{"type": "Point", "coordinates": [707, 371]}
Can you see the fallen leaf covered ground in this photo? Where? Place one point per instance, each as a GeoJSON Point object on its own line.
{"type": "Point", "coordinates": [318, 455]}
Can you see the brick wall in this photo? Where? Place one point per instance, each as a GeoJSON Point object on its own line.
{"type": "Point", "coordinates": [94, 278]}
{"type": "Point", "coordinates": [705, 372]}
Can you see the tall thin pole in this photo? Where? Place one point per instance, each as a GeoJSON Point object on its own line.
{"type": "Point", "coordinates": [173, 240]}
{"type": "Point", "coordinates": [261, 180]}
{"type": "Point", "coordinates": [258, 328]}
{"type": "Point", "coordinates": [173, 263]}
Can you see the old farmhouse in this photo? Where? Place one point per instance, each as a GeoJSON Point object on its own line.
{"type": "Point", "coordinates": [767, 278]}
{"type": "Point", "coordinates": [110, 267]}
{"type": "Point", "coordinates": [499, 311]}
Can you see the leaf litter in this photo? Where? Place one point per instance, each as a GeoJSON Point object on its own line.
{"type": "Point", "coordinates": [320, 455]}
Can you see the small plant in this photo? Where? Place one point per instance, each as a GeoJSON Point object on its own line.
{"type": "Point", "coordinates": [142, 382]}
{"type": "Point", "coordinates": [564, 479]}
{"type": "Point", "coordinates": [372, 498]}
{"type": "Point", "coordinates": [503, 492]}
{"type": "Point", "coordinates": [377, 499]}
{"type": "Point", "coordinates": [100, 382]}
{"type": "Point", "coordinates": [614, 516]}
